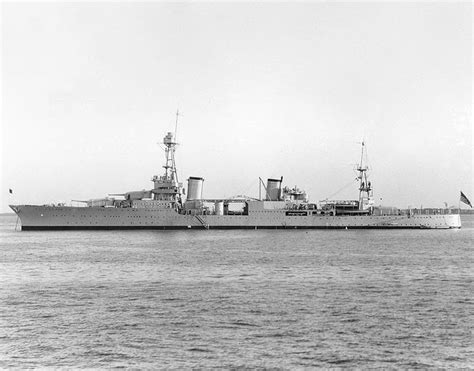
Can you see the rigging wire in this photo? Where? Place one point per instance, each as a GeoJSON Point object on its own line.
{"type": "Point", "coordinates": [341, 189]}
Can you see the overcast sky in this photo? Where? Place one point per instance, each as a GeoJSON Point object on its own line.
{"type": "Point", "coordinates": [265, 89]}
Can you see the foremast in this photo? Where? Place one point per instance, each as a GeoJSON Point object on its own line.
{"type": "Point", "coordinates": [167, 187]}
{"type": "Point", "coordinates": [365, 187]}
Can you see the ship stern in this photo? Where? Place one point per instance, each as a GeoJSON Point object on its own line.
{"type": "Point", "coordinates": [453, 220]}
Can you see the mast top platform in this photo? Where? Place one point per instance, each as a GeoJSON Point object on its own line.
{"type": "Point", "coordinates": [168, 140]}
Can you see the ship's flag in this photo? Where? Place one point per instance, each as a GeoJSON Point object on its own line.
{"type": "Point", "coordinates": [10, 190]}
{"type": "Point", "coordinates": [465, 199]}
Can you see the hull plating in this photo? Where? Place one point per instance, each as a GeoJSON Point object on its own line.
{"type": "Point", "coordinates": [95, 218]}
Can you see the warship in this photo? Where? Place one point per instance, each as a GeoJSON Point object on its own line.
{"type": "Point", "coordinates": [168, 205]}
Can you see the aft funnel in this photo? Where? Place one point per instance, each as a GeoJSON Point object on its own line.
{"type": "Point", "coordinates": [274, 189]}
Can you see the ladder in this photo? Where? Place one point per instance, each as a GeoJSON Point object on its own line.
{"type": "Point", "coordinates": [202, 221]}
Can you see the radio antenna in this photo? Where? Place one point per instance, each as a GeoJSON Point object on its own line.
{"type": "Point", "coordinates": [176, 126]}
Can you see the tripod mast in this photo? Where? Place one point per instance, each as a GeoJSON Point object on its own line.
{"type": "Point", "coordinates": [365, 187]}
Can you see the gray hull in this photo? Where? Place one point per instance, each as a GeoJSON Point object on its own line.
{"type": "Point", "coordinates": [65, 217]}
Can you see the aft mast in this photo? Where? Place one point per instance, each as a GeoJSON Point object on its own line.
{"type": "Point", "coordinates": [365, 187]}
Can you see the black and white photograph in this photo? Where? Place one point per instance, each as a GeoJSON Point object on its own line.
{"type": "Point", "coordinates": [236, 185]}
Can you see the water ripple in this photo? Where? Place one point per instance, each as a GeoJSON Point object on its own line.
{"type": "Point", "coordinates": [236, 299]}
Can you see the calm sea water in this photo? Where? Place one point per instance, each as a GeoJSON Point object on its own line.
{"type": "Point", "coordinates": [252, 299]}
